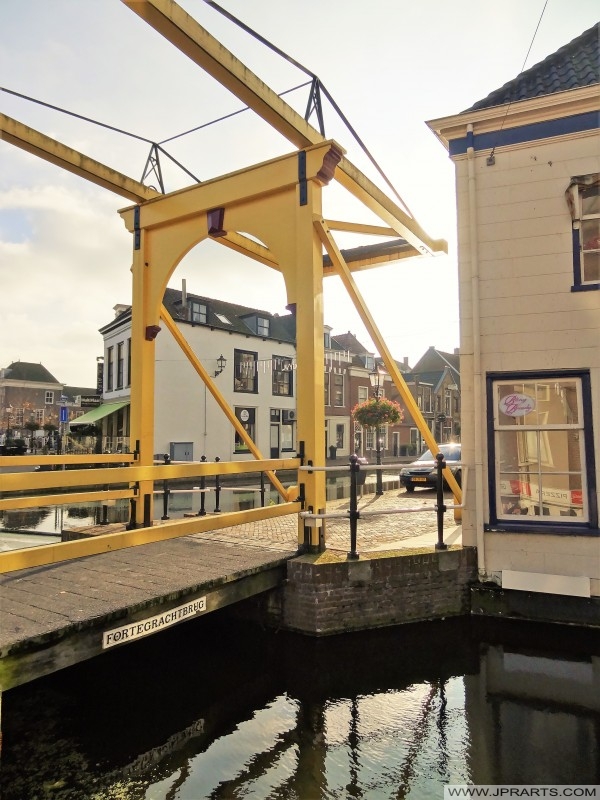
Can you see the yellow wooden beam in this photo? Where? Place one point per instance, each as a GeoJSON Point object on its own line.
{"type": "Point", "coordinates": [248, 247]}
{"type": "Point", "coordinates": [13, 560]}
{"type": "Point", "coordinates": [343, 271]}
{"type": "Point", "coordinates": [8, 504]}
{"type": "Point", "coordinates": [359, 227]}
{"type": "Point", "coordinates": [18, 481]}
{"type": "Point", "coordinates": [179, 28]}
{"type": "Point", "coordinates": [50, 150]}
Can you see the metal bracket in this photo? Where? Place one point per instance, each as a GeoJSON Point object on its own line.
{"type": "Point", "coordinates": [302, 178]}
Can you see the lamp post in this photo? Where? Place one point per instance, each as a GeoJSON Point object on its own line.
{"type": "Point", "coordinates": [376, 378]}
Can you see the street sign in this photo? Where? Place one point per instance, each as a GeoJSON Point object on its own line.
{"type": "Point", "coordinates": [64, 414]}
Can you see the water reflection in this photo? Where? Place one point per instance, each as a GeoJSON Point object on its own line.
{"type": "Point", "coordinates": [228, 710]}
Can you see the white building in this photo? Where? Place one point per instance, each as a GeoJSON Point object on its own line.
{"type": "Point", "coordinates": [249, 353]}
{"type": "Point", "coordinates": [527, 164]}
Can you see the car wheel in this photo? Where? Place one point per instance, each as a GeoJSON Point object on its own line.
{"type": "Point", "coordinates": [409, 488]}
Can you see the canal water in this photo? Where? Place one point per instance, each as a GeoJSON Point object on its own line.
{"type": "Point", "coordinates": [219, 708]}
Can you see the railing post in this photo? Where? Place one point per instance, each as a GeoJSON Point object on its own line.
{"type": "Point", "coordinates": [354, 512]}
{"type": "Point", "coordinates": [166, 491]}
{"type": "Point", "coordinates": [132, 524]}
{"type": "Point", "coordinates": [217, 489]}
{"type": "Point", "coordinates": [202, 512]}
{"type": "Point", "coordinates": [440, 507]}
{"type": "Point", "coordinates": [262, 489]}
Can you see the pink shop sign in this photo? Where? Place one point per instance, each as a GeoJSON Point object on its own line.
{"type": "Point", "coordinates": [516, 405]}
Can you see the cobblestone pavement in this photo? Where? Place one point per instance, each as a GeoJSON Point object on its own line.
{"type": "Point", "coordinates": [376, 531]}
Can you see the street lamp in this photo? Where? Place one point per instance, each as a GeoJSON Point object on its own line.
{"type": "Point", "coordinates": [376, 378]}
{"type": "Point", "coordinates": [221, 364]}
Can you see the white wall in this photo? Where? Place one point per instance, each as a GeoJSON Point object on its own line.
{"type": "Point", "coordinates": [528, 317]}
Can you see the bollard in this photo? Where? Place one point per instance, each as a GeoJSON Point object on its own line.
{"type": "Point", "coordinates": [202, 512]}
{"type": "Point", "coordinates": [217, 489]}
{"type": "Point", "coordinates": [166, 491]}
{"type": "Point", "coordinates": [262, 489]}
{"type": "Point", "coordinates": [354, 512]}
{"type": "Point", "coordinates": [440, 507]}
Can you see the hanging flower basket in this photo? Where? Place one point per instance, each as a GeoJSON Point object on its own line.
{"type": "Point", "coordinates": [375, 412]}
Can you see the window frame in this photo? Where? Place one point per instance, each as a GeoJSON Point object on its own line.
{"type": "Point", "coordinates": [550, 525]}
{"type": "Point", "coordinates": [110, 360]}
{"type": "Point", "coordinates": [49, 398]}
{"type": "Point", "coordinates": [263, 327]}
{"type": "Point", "coordinates": [574, 193]}
{"type": "Point", "coordinates": [282, 384]}
{"type": "Point", "coordinates": [120, 365]}
{"type": "Point", "coordinates": [198, 312]}
{"type": "Point", "coordinates": [237, 363]}
{"type": "Point", "coordinates": [336, 383]}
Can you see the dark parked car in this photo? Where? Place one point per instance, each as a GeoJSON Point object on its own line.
{"type": "Point", "coordinates": [422, 473]}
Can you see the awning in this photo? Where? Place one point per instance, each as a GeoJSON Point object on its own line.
{"type": "Point", "coordinates": [95, 414]}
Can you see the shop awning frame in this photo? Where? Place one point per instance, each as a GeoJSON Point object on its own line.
{"type": "Point", "coordinates": [94, 415]}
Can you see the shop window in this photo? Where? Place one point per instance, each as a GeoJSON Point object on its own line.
{"type": "Point", "coordinates": [583, 197]}
{"type": "Point", "coordinates": [282, 375]}
{"type": "Point", "coordinates": [245, 371]}
{"type": "Point", "coordinates": [541, 451]}
{"type": "Point", "coordinates": [287, 437]}
{"type": "Point", "coordinates": [247, 417]}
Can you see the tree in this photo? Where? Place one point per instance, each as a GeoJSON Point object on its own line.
{"type": "Point", "coordinates": [32, 426]}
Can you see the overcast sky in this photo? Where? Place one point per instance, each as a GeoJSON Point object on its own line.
{"type": "Point", "coordinates": [390, 65]}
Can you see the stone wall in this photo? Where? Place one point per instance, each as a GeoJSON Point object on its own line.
{"type": "Point", "coordinates": [326, 593]}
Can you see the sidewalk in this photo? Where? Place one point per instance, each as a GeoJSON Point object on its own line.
{"type": "Point", "coordinates": [376, 531]}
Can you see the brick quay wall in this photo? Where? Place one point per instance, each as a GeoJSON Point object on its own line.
{"type": "Point", "coordinates": [327, 594]}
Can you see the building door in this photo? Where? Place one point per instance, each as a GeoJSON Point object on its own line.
{"type": "Point", "coordinates": [275, 440]}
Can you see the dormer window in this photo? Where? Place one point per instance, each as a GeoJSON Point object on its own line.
{"type": "Point", "coordinates": [198, 313]}
{"type": "Point", "coordinates": [262, 326]}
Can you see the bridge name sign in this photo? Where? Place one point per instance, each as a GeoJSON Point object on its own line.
{"type": "Point", "coordinates": [136, 630]}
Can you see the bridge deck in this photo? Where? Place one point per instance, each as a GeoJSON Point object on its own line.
{"type": "Point", "coordinates": [56, 615]}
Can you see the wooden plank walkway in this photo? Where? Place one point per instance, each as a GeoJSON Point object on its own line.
{"type": "Point", "coordinates": [57, 615]}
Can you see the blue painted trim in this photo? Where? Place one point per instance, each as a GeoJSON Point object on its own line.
{"type": "Point", "coordinates": [526, 133]}
{"type": "Point", "coordinates": [585, 287]}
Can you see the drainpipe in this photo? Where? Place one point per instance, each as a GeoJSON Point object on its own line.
{"type": "Point", "coordinates": [478, 384]}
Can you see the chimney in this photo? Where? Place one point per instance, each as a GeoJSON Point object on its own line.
{"type": "Point", "coordinates": [457, 351]}
{"type": "Point", "coordinates": [183, 294]}
{"type": "Point", "coordinates": [405, 362]}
